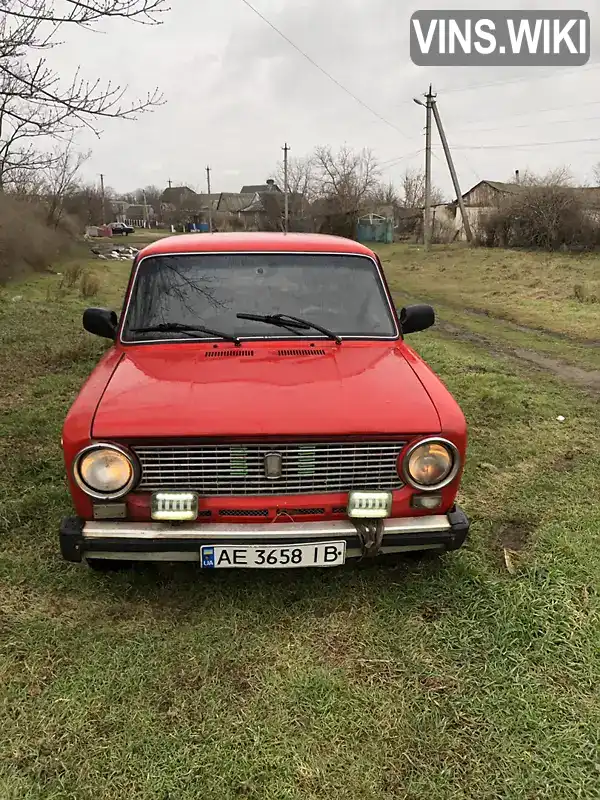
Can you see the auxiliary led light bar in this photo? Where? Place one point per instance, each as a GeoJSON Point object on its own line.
{"type": "Point", "coordinates": [174, 506]}
{"type": "Point", "coordinates": [369, 505]}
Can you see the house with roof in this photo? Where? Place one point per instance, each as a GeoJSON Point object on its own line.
{"type": "Point", "coordinates": [256, 207]}
{"type": "Point", "coordinates": [269, 186]}
{"type": "Point", "coordinates": [235, 202]}
{"type": "Point", "coordinates": [481, 200]}
{"type": "Point", "coordinates": [139, 215]}
{"type": "Point", "coordinates": [260, 210]}
{"type": "Point", "coordinates": [204, 201]}
{"type": "Point", "coordinates": [177, 195]}
{"type": "Point", "coordinates": [117, 208]}
{"type": "Point", "coordinates": [486, 197]}
{"type": "Point", "coordinates": [179, 205]}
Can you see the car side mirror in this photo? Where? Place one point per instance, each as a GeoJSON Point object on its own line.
{"type": "Point", "coordinates": [416, 318]}
{"type": "Point", "coordinates": [101, 322]}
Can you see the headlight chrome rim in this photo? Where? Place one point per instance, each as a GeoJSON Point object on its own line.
{"type": "Point", "coordinates": [456, 462]}
{"type": "Point", "coordinates": [131, 483]}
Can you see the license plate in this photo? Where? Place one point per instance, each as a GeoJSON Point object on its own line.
{"type": "Point", "coordinates": [323, 554]}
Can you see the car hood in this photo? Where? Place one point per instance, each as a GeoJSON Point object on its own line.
{"type": "Point", "coordinates": [189, 390]}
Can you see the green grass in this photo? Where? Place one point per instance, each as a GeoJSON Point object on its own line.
{"type": "Point", "coordinates": [533, 289]}
{"type": "Point", "coordinates": [443, 679]}
{"type": "Point", "coordinates": [500, 333]}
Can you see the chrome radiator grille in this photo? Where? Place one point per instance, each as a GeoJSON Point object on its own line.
{"type": "Point", "coordinates": [306, 468]}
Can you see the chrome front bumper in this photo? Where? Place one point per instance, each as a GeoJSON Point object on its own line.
{"type": "Point", "coordinates": [157, 541]}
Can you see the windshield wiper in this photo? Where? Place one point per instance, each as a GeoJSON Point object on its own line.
{"type": "Point", "coordinates": [287, 321]}
{"type": "Point", "coordinates": [175, 327]}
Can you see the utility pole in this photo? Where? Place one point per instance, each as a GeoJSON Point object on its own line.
{"type": "Point", "coordinates": [210, 227]}
{"type": "Point", "coordinates": [427, 214]}
{"type": "Point", "coordinates": [102, 197]}
{"type": "Point", "coordinates": [286, 212]}
{"type": "Point", "coordinates": [427, 221]}
{"type": "Point", "coordinates": [146, 222]}
{"type": "Point", "coordinates": [438, 122]}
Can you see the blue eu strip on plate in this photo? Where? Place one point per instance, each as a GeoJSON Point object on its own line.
{"type": "Point", "coordinates": [208, 557]}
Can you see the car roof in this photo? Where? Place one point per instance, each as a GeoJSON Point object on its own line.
{"type": "Point", "coordinates": [254, 241]}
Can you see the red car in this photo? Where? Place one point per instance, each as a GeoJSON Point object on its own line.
{"type": "Point", "coordinates": [260, 407]}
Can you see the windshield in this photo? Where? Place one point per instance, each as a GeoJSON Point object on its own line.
{"type": "Point", "coordinates": [343, 293]}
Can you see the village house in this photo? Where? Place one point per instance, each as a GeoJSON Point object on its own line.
{"type": "Point", "coordinates": [486, 197]}
{"type": "Point", "coordinates": [255, 207]}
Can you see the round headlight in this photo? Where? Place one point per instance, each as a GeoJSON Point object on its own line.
{"type": "Point", "coordinates": [431, 464]}
{"type": "Point", "coordinates": [104, 471]}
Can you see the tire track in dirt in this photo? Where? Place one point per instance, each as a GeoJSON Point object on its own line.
{"type": "Point", "coordinates": [506, 321]}
{"type": "Point", "coordinates": [517, 326]}
{"type": "Point", "coordinates": [586, 379]}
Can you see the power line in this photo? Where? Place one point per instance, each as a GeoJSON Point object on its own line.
{"type": "Point", "coordinates": [532, 113]}
{"type": "Point", "coordinates": [529, 125]}
{"type": "Point", "coordinates": [524, 145]}
{"type": "Point", "coordinates": [507, 81]}
{"type": "Point", "coordinates": [519, 79]}
{"type": "Point", "coordinates": [435, 155]}
{"type": "Point", "coordinates": [471, 167]}
{"type": "Point", "coordinates": [392, 161]}
{"type": "Point", "coordinates": [324, 71]}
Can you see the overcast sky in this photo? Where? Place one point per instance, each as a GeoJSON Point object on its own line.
{"type": "Point", "coordinates": [235, 91]}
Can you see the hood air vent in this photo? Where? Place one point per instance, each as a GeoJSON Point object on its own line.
{"type": "Point", "coordinates": [223, 353]}
{"type": "Point", "coordinates": [312, 352]}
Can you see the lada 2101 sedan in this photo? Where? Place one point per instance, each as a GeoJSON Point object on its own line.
{"type": "Point", "coordinates": [260, 407]}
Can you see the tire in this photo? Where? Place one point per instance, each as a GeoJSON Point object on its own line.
{"type": "Point", "coordinates": [108, 565]}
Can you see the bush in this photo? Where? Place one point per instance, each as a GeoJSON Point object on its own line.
{"type": "Point", "coordinates": [89, 286]}
{"type": "Point", "coordinates": [26, 242]}
{"type": "Point", "coordinates": [541, 217]}
{"type": "Point", "coordinates": [583, 295]}
{"type": "Point", "coordinates": [71, 275]}
{"type": "Point", "coordinates": [338, 224]}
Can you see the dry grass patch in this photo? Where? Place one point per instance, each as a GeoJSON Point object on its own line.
{"type": "Point", "coordinates": [532, 289]}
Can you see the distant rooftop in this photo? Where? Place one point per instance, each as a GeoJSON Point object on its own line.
{"type": "Point", "coordinates": [269, 186]}
{"type": "Point", "coordinates": [174, 193]}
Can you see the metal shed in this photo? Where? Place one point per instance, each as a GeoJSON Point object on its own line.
{"type": "Point", "coordinates": [375, 228]}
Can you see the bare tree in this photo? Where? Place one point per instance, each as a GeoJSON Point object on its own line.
{"type": "Point", "coordinates": [302, 176]}
{"type": "Point", "coordinates": [149, 196]}
{"type": "Point", "coordinates": [18, 135]}
{"type": "Point", "coordinates": [386, 194]}
{"type": "Point", "coordinates": [413, 190]}
{"type": "Point", "coordinates": [33, 92]}
{"type": "Point", "coordinates": [25, 183]}
{"type": "Point", "coordinates": [559, 176]}
{"type": "Point", "coordinates": [549, 212]}
{"type": "Point", "coordinates": [85, 203]}
{"type": "Point", "coordinates": [151, 193]}
{"type": "Point", "coordinates": [60, 180]}
{"type": "Point", "coordinates": [346, 178]}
